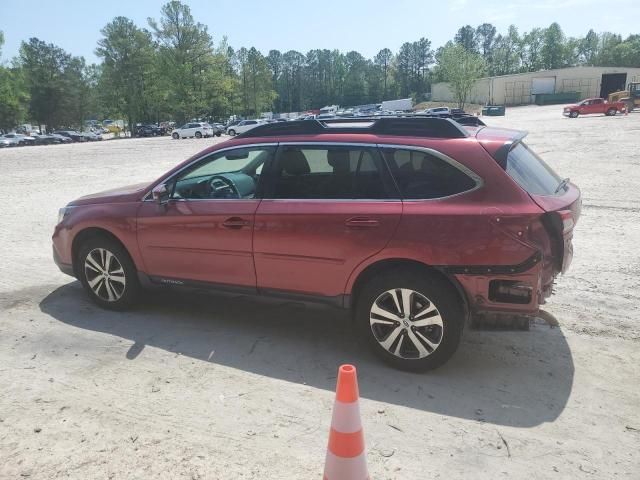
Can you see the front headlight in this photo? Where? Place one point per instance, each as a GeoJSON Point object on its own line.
{"type": "Point", "coordinates": [63, 212]}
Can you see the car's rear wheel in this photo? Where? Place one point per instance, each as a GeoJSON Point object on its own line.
{"type": "Point", "coordinates": [573, 114]}
{"type": "Point", "coordinates": [411, 319]}
{"type": "Point", "coordinates": [218, 134]}
{"type": "Point", "coordinates": [107, 273]}
{"type": "Point", "coordinates": [198, 135]}
{"type": "Point", "coordinates": [175, 135]}
{"type": "Point", "coordinates": [232, 132]}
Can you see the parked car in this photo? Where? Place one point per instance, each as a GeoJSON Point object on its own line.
{"type": "Point", "coordinates": [244, 126]}
{"type": "Point", "coordinates": [148, 131]}
{"type": "Point", "coordinates": [8, 142]}
{"type": "Point", "coordinates": [91, 136]}
{"type": "Point", "coordinates": [193, 129]}
{"type": "Point", "coordinates": [592, 106]}
{"type": "Point", "coordinates": [444, 111]}
{"type": "Point", "coordinates": [61, 138]}
{"type": "Point", "coordinates": [413, 223]}
{"type": "Point", "coordinates": [44, 139]}
{"type": "Point", "coordinates": [217, 129]}
{"type": "Point", "coordinates": [72, 134]}
{"type": "Point", "coordinates": [21, 139]}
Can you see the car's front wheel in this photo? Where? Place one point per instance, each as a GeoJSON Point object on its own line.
{"type": "Point", "coordinates": [232, 132]}
{"type": "Point", "coordinates": [611, 112]}
{"type": "Point", "coordinates": [107, 273]}
{"type": "Point", "coordinates": [573, 114]}
{"type": "Point", "coordinates": [175, 136]}
{"type": "Point", "coordinates": [198, 135]}
{"type": "Point", "coordinates": [411, 319]}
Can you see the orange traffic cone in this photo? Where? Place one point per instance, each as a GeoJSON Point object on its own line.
{"type": "Point", "coordinates": [345, 453]}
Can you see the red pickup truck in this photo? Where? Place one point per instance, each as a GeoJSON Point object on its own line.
{"type": "Point", "coordinates": [592, 106]}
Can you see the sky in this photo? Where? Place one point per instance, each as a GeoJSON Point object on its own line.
{"type": "Point", "coordinates": [366, 26]}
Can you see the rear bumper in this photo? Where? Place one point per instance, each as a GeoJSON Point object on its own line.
{"type": "Point", "coordinates": [480, 287]}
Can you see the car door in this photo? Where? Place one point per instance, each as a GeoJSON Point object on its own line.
{"type": "Point", "coordinates": [204, 232]}
{"type": "Point", "coordinates": [597, 106]}
{"type": "Point", "coordinates": [327, 208]}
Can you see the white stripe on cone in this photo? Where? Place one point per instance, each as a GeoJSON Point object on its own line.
{"type": "Point", "coordinates": [346, 417]}
{"type": "Point", "coordinates": [338, 468]}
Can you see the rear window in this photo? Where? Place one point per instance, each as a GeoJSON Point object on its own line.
{"type": "Point", "coordinates": [530, 171]}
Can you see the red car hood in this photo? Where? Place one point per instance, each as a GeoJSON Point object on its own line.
{"type": "Point", "coordinates": [116, 195]}
{"type": "Point", "coordinates": [575, 105]}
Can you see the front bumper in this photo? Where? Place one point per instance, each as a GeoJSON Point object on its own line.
{"type": "Point", "coordinates": [66, 268]}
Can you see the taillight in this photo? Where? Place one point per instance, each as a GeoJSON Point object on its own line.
{"type": "Point", "coordinates": [568, 222]}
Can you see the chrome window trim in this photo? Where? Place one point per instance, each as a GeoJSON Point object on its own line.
{"type": "Point", "coordinates": [445, 158]}
{"type": "Point", "coordinates": [149, 196]}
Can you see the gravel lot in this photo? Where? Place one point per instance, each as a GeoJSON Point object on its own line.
{"type": "Point", "coordinates": [213, 387]}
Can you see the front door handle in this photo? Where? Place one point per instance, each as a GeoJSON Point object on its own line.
{"type": "Point", "coordinates": [235, 222]}
{"type": "Point", "coordinates": [362, 222]}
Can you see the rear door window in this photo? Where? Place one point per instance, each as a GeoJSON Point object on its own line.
{"type": "Point", "coordinates": [330, 172]}
{"type": "Point", "coordinates": [531, 172]}
{"type": "Point", "coordinates": [421, 175]}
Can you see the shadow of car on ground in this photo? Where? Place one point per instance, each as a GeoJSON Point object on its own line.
{"type": "Point", "coordinates": [519, 379]}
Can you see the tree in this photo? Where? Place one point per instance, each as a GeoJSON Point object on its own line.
{"type": "Point", "coordinates": [14, 98]}
{"type": "Point", "coordinates": [128, 68]}
{"type": "Point", "coordinates": [553, 51]}
{"type": "Point", "coordinates": [589, 48]}
{"type": "Point", "coordinates": [485, 36]}
{"type": "Point", "coordinates": [532, 45]}
{"type": "Point", "coordinates": [466, 37]}
{"type": "Point", "coordinates": [461, 68]}
{"type": "Point", "coordinates": [506, 58]}
{"type": "Point", "coordinates": [185, 58]}
{"type": "Point", "coordinates": [52, 78]}
{"type": "Point", "coordinates": [383, 60]}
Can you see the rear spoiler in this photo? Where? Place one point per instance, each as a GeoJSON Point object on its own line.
{"type": "Point", "coordinates": [498, 142]}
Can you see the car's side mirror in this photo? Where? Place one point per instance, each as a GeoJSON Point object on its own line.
{"type": "Point", "coordinates": [160, 194]}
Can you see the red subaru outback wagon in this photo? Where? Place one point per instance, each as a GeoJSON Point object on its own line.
{"type": "Point", "coordinates": [414, 223]}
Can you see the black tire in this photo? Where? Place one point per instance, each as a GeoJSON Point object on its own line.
{"type": "Point", "coordinates": [198, 135]}
{"type": "Point", "coordinates": [430, 287]}
{"type": "Point", "coordinates": [218, 134]}
{"type": "Point", "coordinates": [175, 136]}
{"type": "Point", "coordinates": [123, 294]}
{"type": "Point", "coordinates": [232, 132]}
{"type": "Point", "coordinates": [573, 115]}
{"type": "Point", "coordinates": [612, 112]}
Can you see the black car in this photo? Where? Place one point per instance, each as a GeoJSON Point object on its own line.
{"type": "Point", "coordinates": [72, 134]}
{"type": "Point", "coordinates": [149, 131]}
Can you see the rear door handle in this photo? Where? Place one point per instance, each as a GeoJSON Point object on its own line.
{"type": "Point", "coordinates": [235, 222]}
{"type": "Point", "coordinates": [362, 222]}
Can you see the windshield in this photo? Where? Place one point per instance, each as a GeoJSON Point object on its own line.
{"type": "Point", "coordinates": [531, 172]}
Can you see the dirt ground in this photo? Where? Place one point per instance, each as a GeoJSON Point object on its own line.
{"type": "Point", "coordinates": [221, 387]}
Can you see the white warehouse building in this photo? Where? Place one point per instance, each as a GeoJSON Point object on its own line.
{"type": "Point", "coordinates": [521, 88]}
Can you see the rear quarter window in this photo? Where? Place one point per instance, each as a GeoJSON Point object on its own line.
{"type": "Point", "coordinates": [531, 172]}
{"type": "Point", "coordinates": [421, 175]}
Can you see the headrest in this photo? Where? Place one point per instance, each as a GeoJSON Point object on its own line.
{"type": "Point", "coordinates": [294, 162]}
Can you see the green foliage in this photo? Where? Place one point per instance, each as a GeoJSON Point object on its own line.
{"type": "Point", "coordinates": [14, 98]}
{"type": "Point", "coordinates": [461, 68]}
{"type": "Point", "coordinates": [57, 83]}
{"type": "Point", "coordinates": [128, 69]}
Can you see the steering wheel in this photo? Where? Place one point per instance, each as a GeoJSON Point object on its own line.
{"type": "Point", "coordinates": [222, 187]}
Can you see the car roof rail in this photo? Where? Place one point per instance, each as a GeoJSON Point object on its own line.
{"type": "Point", "coordinates": [407, 126]}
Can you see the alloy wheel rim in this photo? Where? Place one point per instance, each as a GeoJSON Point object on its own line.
{"type": "Point", "coordinates": [105, 274]}
{"type": "Point", "coordinates": [406, 324]}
